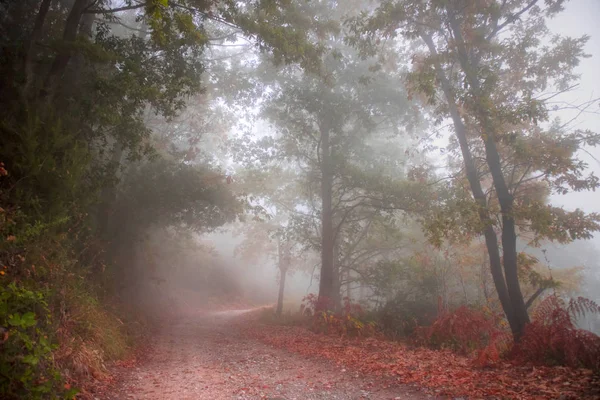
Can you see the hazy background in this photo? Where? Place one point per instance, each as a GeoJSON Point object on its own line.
{"type": "Point", "coordinates": [579, 18]}
{"type": "Point", "coordinates": [257, 281]}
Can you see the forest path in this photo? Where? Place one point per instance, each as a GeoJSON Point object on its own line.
{"type": "Point", "coordinates": [208, 357]}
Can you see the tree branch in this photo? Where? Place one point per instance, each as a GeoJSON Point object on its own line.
{"type": "Point", "coordinates": [534, 296]}
{"type": "Point", "coordinates": [116, 10]}
{"type": "Point", "coordinates": [511, 19]}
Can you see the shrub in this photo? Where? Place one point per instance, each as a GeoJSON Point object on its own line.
{"type": "Point", "coordinates": [401, 318]}
{"type": "Point", "coordinates": [50, 316]}
{"type": "Point", "coordinates": [26, 365]}
{"type": "Point", "coordinates": [311, 304]}
{"type": "Point", "coordinates": [553, 337]}
{"type": "Point", "coordinates": [89, 335]}
{"type": "Point", "coordinates": [463, 330]}
{"type": "Point", "coordinates": [349, 321]}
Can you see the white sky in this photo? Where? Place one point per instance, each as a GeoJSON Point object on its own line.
{"type": "Point", "coordinates": [583, 17]}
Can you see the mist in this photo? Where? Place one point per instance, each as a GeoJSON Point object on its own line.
{"type": "Point", "coordinates": [299, 199]}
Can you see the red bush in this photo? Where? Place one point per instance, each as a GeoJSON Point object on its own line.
{"type": "Point", "coordinates": [464, 330]}
{"type": "Point", "coordinates": [553, 337]}
{"type": "Point", "coordinates": [346, 322]}
{"type": "Point", "coordinates": [350, 308]}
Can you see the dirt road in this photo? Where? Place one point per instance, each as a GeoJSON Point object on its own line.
{"type": "Point", "coordinates": [207, 357]}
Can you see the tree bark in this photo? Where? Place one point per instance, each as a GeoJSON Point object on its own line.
{"type": "Point", "coordinates": [347, 277]}
{"type": "Point", "coordinates": [336, 290]}
{"type": "Point", "coordinates": [76, 69]}
{"type": "Point", "coordinates": [505, 198]}
{"type": "Point", "coordinates": [64, 55]}
{"type": "Point", "coordinates": [491, 240]}
{"type": "Point", "coordinates": [283, 273]}
{"type": "Point", "coordinates": [327, 239]}
{"type": "Point", "coordinates": [534, 296]}
{"type": "Point", "coordinates": [108, 195]}
{"type": "Point", "coordinates": [36, 35]}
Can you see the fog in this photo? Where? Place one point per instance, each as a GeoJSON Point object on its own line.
{"type": "Point", "coordinates": [255, 282]}
{"type": "Point", "coordinates": [215, 182]}
{"type": "Point", "coordinates": [231, 155]}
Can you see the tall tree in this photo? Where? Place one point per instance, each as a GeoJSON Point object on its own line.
{"type": "Point", "coordinates": [487, 67]}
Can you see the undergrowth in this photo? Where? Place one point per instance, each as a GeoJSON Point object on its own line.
{"type": "Point", "coordinates": [26, 365]}
{"type": "Point", "coordinates": [463, 330]}
{"type": "Point", "coordinates": [348, 321]}
{"type": "Point", "coordinates": [56, 329]}
{"type": "Point", "coordinates": [55, 342]}
{"type": "Point", "coordinates": [553, 337]}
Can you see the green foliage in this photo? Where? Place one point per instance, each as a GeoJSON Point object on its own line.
{"type": "Point", "coordinates": [48, 170]}
{"type": "Point", "coordinates": [345, 325]}
{"type": "Point", "coordinates": [400, 318]}
{"type": "Point", "coordinates": [403, 281]}
{"type": "Point", "coordinates": [26, 366]}
{"type": "Point", "coordinates": [282, 28]}
{"type": "Point", "coordinates": [498, 94]}
{"type": "Point", "coordinates": [166, 193]}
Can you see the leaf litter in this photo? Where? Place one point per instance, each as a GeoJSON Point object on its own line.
{"type": "Point", "coordinates": [439, 372]}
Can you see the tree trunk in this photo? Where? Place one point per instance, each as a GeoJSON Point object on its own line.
{"type": "Point", "coordinates": [484, 280]}
{"type": "Point", "coordinates": [336, 299]}
{"type": "Point", "coordinates": [36, 35]}
{"type": "Point", "coordinates": [505, 198]}
{"type": "Point", "coordinates": [491, 240]}
{"type": "Point", "coordinates": [348, 276]}
{"type": "Point", "coordinates": [326, 281]}
{"type": "Point", "coordinates": [64, 55]}
{"type": "Point", "coordinates": [108, 196]}
{"type": "Point", "coordinates": [75, 85]}
{"type": "Point", "coordinates": [283, 273]}
{"type": "Point", "coordinates": [361, 291]}
{"type": "Point", "coordinates": [509, 248]}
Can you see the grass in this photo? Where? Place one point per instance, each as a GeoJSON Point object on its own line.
{"type": "Point", "coordinates": [91, 334]}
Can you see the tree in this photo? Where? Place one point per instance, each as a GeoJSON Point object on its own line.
{"type": "Point", "coordinates": [83, 83]}
{"type": "Point", "coordinates": [324, 127]}
{"type": "Point", "coordinates": [273, 239]}
{"type": "Point", "coordinates": [486, 67]}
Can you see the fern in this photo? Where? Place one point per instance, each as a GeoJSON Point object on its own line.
{"type": "Point", "coordinates": [553, 337]}
{"type": "Point", "coordinates": [581, 307]}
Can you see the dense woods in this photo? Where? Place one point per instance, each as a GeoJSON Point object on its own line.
{"type": "Point", "coordinates": [404, 154]}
